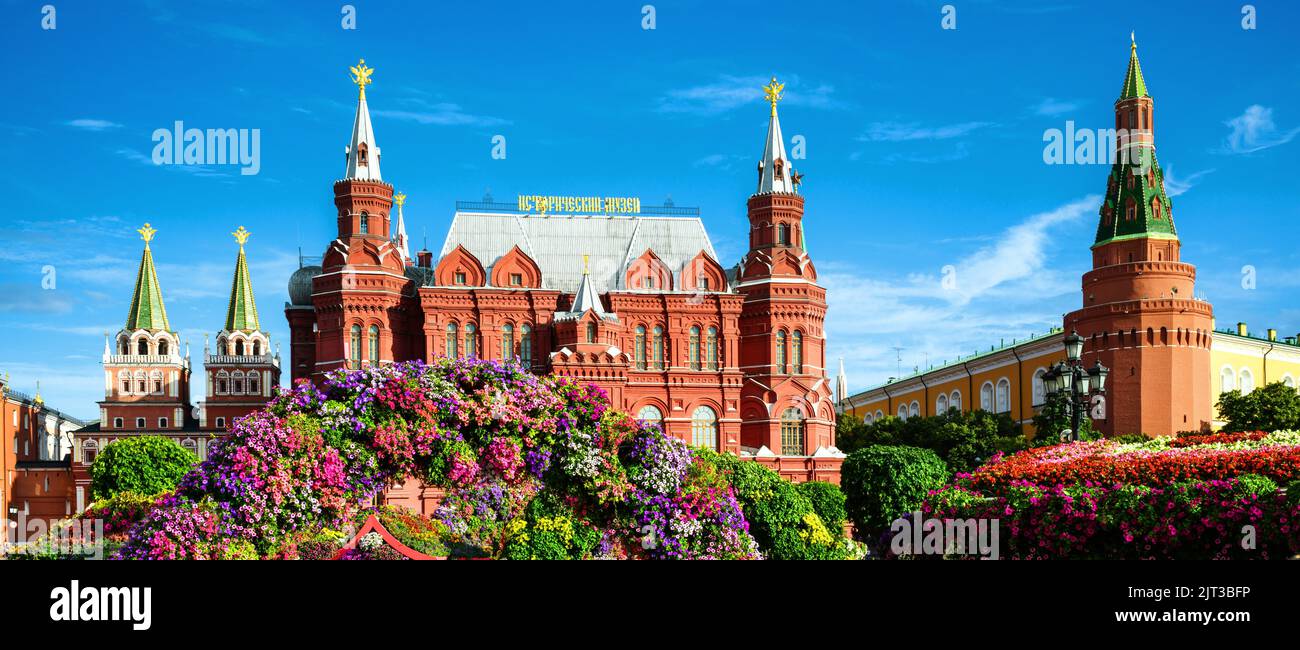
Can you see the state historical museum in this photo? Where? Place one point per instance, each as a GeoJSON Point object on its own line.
{"type": "Point", "coordinates": [727, 357]}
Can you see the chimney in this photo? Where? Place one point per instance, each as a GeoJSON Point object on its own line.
{"type": "Point", "coordinates": [425, 258]}
{"type": "Point", "coordinates": [1272, 334]}
{"type": "Point", "coordinates": [1241, 330]}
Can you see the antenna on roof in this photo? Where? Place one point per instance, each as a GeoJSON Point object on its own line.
{"type": "Point", "coordinates": [898, 366]}
{"type": "Point", "coordinates": [487, 195]}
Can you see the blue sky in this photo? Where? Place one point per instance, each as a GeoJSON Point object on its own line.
{"type": "Point", "coordinates": [924, 149]}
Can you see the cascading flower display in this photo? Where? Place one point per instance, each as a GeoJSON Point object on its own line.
{"type": "Point", "coordinates": [533, 467]}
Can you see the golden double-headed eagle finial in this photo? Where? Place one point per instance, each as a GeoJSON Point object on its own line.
{"type": "Point", "coordinates": [241, 236]}
{"type": "Point", "coordinates": [773, 92]}
{"type": "Point", "coordinates": [399, 199]}
{"type": "Point", "coordinates": [146, 233]}
{"type": "Point", "coordinates": [361, 76]}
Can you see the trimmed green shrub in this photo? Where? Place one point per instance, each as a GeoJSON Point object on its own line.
{"type": "Point", "coordinates": [827, 501]}
{"type": "Point", "coordinates": [1274, 407]}
{"type": "Point", "coordinates": [781, 518]}
{"type": "Point", "coordinates": [143, 465]}
{"type": "Point", "coordinates": [963, 440]}
{"type": "Point", "coordinates": [884, 482]}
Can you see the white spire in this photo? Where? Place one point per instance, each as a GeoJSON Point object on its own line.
{"type": "Point", "coordinates": [586, 297]}
{"type": "Point", "coordinates": [775, 174]}
{"type": "Point", "coordinates": [399, 238]}
{"type": "Point", "coordinates": [841, 387]}
{"type": "Point", "coordinates": [363, 152]}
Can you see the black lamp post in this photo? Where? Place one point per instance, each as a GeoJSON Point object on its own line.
{"type": "Point", "coordinates": [1076, 382]}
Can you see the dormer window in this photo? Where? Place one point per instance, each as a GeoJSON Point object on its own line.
{"type": "Point", "coordinates": [783, 234]}
{"type": "Point", "coordinates": [591, 332]}
{"type": "Point", "coordinates": [460, 277]}
{"type": "Point", "coordinates": [362, 154]}
{"type": "Point", "coordinates": [516, 279]}
{"type": "Point", "coordinates": [778, 169]}
{"type": "Point", "coordinates": [365, 223]}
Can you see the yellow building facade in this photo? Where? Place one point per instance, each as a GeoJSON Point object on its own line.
{"type": "Point", "coordinates": [1008, 379]}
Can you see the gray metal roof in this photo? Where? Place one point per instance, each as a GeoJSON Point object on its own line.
{"type": "Point", "coordinates": [558, 242]}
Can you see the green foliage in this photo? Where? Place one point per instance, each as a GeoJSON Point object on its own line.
{"type": "Point", "coordinates": [827, 501]}
{"type": "Point", "coordinates": [963, 440]}
{"type": "Point", "coordinates": [1274, 407]}
{"type": "Point", "coordinates": [1255, 485]}
{"type": "Point", "coordinates": [550, 530]}
{"type": "Point", "coordinates": [883, 482]}
{"type": "Point", "coordinates": [781, 517]}
{"type": "Point", "coordinates": [1053, 417]}
{"type": "Point", "coordinates": [1133, 437]}
{"type": "Point", "coordinates": [143, 465]}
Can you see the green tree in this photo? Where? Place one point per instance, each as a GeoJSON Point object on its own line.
{"type": "Point", "coordinates": [144, 465]}
{"type": "Point", "coordinates": [1271, 408]}
{"type": "Point", "coordinates": [1054, 417]}
{"type": "Point", "coordinates": [883, 482]}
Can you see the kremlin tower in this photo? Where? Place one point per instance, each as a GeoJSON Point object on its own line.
{"type": "Point", "coordinates": [357, 314]}
{"type": "Point", "coordinates": [786, 399]}
{"type": "Point", "coordinates": [242, 373]}
{"type": "Point", "coordinates": [1139, 315]}
{"type": "Point", "coordinates": [146, 380]}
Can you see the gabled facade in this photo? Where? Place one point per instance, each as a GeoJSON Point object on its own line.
{"type": "Point", "coordinates": [640, 306]}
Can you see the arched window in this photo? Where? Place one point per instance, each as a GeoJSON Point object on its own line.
{"type": "Point", "coordinates": [1040, 390]}
{"type": "Point", "coordinates": [1288, 381]}
{"type": "Point", "coordinates": [365, 223]}
{"type": "Point", "coordinates": [142, 348]}
{"type": "Point", "coordinates": [1227, 380]}
{"type": "Point", "coordinates": [239, 348]}
{"type": "Point", "coordinates": [941, 405]}
{"type": "Point", "coordinates": [792, 438]}
{"type": "Point", "coordinates": [915, 409]}
{"type": "Point", "coordinates": [638, 348]}
{"type": "Point", "coordinates": [355, 350]}
{"type": "Point", "coordinates": [711, 348]}
{"type": "Point", "coordinates": [257, 348]}
{"type": "Point", "coordinates": [237, 383]}
{"type": "Point", "coordinates": [124, 347]}
{"type": "Point", "coordinates": [693, 348]}
{"type": "Point", "coordinates": [1247, 381]}
{"type": "Point", "coordinates": [650, 414]}
{"type": "Point", "coordinates": [783, 234]}
{"type": "Point", "coordinates": [162, 423]}
{"type": "Point", "coordinates": [986, 397]}
{"type": "Point", "coordinates": [223, 379]}
{"type": "Point", "coordinates": [867, 419]}
{"type": "Point", "coordinates": [954, 400]}
{"type": "Point", "coordinates": [1004, 395]}
{"type": "Point", "coordinates": [879, 414]}
{"type": "Point", "coordinates": [591, 332]}
{"type": "Point", "coordinates": [780, 352]}
{"type": "Point", "coordinates": [796, 351]}
{"type": "Point", "coordinates": [453, 338]}
{"type": "Point", "coordinates": [374, 344]}
{"type": "Point", "coordinates": [162, 348]}
{"type": "Point", "coordinates": [704, 428]}
{"type": "Point", "coordinates": [253, 387]}
{"type": "Point", "coordinates": [471, 341]}
{"type": "Point", "coordinates": [526, 345]}
{"type": "Point", "coordinates": [658, 348]}
{"type": "Point", "coordinates": [507, 342]}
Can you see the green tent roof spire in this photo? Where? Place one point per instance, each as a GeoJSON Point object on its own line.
{"type": "Point", "coordinates": [147, 310]}
{"type": "Point", "coordinates": [241, 315]}
{"type": "Point", "coordinates": [1134, 86]}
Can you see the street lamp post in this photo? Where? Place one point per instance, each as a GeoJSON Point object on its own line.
{"type": "Point", "coordinates": [1077, 383]}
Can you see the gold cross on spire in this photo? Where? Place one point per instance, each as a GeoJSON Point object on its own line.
{"type": "Point", "coordinates": [241, 236]}
{"type": "Point", "coordinates": [361, 76]}
{"type": "Point", "coordinates": [399, 199]}
{"type": "Point", "coordinates": [146, 233]}
{"type": "Point", "coordinates": [773, 93]}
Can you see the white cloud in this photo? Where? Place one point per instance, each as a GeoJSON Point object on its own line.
{"type": "Point", "coordinates": [1003, 290]}
{"type": "Point", "coordinates": [439, 114]}
{"type": "Point", "coordinates": [1254, 130]}
{"type": "Point", "coordinates": [906, 132]}
{"type": "Point", "coordinates": [92, 124]}
{"type": "Point", "coordinates": [1051, 107]}
{"type": "Point", "coordinates": [1176, 186]}
{"type": "Point", "coordinates": [731, 92]}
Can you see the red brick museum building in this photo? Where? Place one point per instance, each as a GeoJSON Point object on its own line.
{"type": "Point", "coordinates": [632, 299]}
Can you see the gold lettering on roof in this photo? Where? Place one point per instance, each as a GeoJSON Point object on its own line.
{"type": "Point", "coordinates": [544, 204]}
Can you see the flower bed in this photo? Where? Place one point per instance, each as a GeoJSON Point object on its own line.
{"type": "Point", "coordinates": [1157, 462]}
{"type": "Point", "coordinates": [534, 467]}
